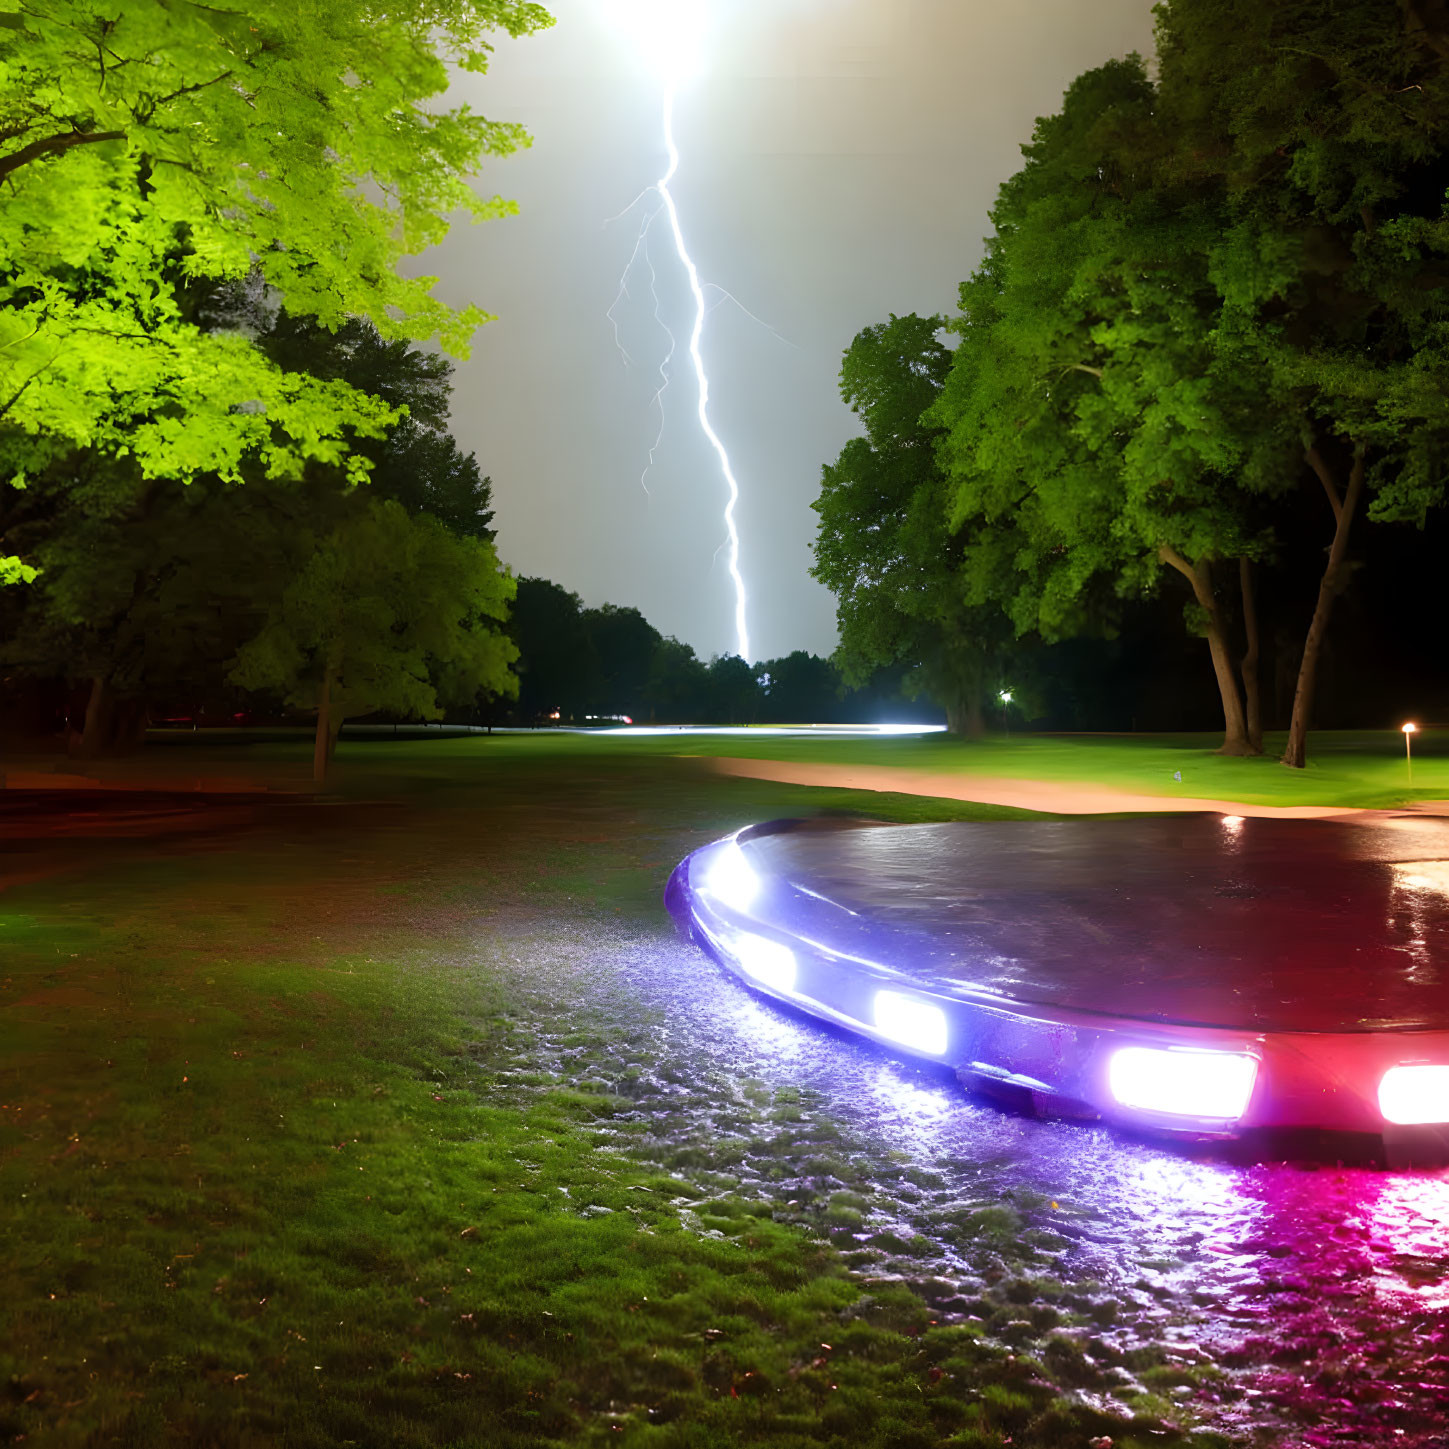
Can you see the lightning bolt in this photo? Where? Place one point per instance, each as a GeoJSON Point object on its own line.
{"type": "Point", "coordinates": [668, 36]}
{"type": "Point", "coordinates": [702, 309]}
{"type": "Point", "coordinates": [732, 533]}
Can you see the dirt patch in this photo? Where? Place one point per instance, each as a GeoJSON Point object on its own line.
{"type": "Point", "coordinates": [1046, 796]}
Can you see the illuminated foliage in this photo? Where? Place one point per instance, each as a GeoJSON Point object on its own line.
{"type": "Point", "coordinates": [150, 145]}
{"type": "Point", "coordinates": [148, 586]}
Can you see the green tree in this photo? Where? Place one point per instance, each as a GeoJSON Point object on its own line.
{"type": "Point", "coordinates": [389, 613]}
{"type": "Point", "coordinates": [416, 461]}
{"type": "Point", "coordinates": [624, 642]}
{"type": "Point", "coordinates": [884, 547]}
{"type": "Point", "coordinates": [1317, 132]}
{"type": "Point", "coordinates": [150, 585]}
{"type": "Point", "coordinates": [1097, 441]}
{"type": "Point", "coordinates": [148, 147]}
{"type": "Point", "coordinates": [734, 692]}
{"type": "Point", "coordinates": [678, 684]}
{"type": "Point", "coordinates": [799, 687]}
{"type": "Point", "coordinates": [143, 594]}
{"type": "Point", "coordinates": [558, 667]}
{"type": "Point", "coordinates": [1203, 296]}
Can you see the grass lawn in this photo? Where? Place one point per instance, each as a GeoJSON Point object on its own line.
{"type": "Point", "coordinates": [1351, 768]}
{"type": "Point", "coordinates": [263, 1180]}
{"type": "Point", "coordinates": [1347, 768]}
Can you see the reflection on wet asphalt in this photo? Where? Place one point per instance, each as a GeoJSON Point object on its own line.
{"type": "Point", "coordinates": [1282, 1304]}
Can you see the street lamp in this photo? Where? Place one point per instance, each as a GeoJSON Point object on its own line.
{"type": "Point", "coordinates": [1410, 730]}
{"type": "Point", "coordinates": [1005, 697]}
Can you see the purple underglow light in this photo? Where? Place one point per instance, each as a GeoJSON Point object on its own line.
{"type": "Point", "coordinates": [766, 961]}
{"type": "Point", "coordinates": [1415, 1095]}
{"type": "Point", "coordinates": [911, 1022]}
{"type": "Point", "coordinates": [1183, 1083]}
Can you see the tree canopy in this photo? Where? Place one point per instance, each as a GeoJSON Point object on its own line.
{"type": "Point", "coordinates": [149, 586]}
{"type": "Point", "coordinates": [149, 149]}
{"type": "Point", "coordinates": [390, 612]}
{"type": "Point", "coordinates": [884, 545]}
{"type": "Point", "coordinates": [1205, 293]}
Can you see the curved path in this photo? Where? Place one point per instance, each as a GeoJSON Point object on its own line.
{"type": "Point", "coordinates": [1051, 797]}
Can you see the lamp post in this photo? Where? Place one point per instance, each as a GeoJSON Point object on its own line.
{"type": "Point", "coordinates": [1005, 697]}
{"type": "Point", "coordinates": [1410, 730]}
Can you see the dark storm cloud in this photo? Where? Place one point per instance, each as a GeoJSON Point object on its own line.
{"type": "Point", "coordinates": [839, 160]}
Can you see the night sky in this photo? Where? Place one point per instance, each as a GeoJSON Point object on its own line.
{"type": "Point", "coordinates": [838, 161]}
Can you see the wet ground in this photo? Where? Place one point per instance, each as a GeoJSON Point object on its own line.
{"type": "Point", "coordinates": [1286, 1304]}
{"type": "Point", "coordinates": [1267, 925]}
{"type": "Point", "coordinates": [1298, 1304]}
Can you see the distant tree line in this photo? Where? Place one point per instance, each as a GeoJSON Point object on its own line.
{"type": "Point", "coordinates": [576, 664]}
{"type": "Point", "coordinates": [210, 600]}
{"type": "Point", "coordinates": [1201, 367]}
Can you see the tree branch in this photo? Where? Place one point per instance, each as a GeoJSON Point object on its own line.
{"type": "Point", "coordinates": [1171, 557]}
{"type": "Point", "coordinates": [16, 395]}
{"type": "Point", "coordinates": [1315, 461]}
{"type": "Point", "coordinates": [189, 90]}
{"type": "Point", "coordinates": [54, 146]}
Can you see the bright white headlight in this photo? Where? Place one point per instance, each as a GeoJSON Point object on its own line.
{"type": "Point", "coordinates": [730, 880]}
{"type": "Point", "coordinates": [1416, 1094]}
{"type": "Point", "coordinates": [1183, 1082]}
{"type": "Point", "coordinates": [911, 1022]}
{"type": "Point", "coordinates": [770, 963]}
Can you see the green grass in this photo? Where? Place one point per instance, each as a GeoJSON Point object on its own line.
{"type": "Point", "coordinates": [1360, 768]}
{"type": "Point", "coordinates": [261, 1183]}
{"type": "Point", "coordinates": [1347, 768]}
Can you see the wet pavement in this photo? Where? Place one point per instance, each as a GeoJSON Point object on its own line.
{"type": "Point", "coordinates": [1283, 1304]}
{"type": "Point", "coordinates": [1268, 925]}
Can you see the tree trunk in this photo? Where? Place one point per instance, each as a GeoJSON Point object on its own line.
{"type": "Point", "coordinates": [322, 744]}
{"type": "Point", "coordinates": [1199, 575]}
{"type": "Point", "coordinates": [975, 717]}
{"type": "Point", "coordinates": [1296, 754]}
{"type": "Point", "coordinates": [964, 716]}
{"type": "Point", "coordinates": [100, 708]}
{"type": "Point", "coordinates": [1252, 693]}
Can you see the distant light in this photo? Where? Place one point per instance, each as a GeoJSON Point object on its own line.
{"type": "Point", "coordinates": [756, 732]}
{"type": "Point", "coordinates": [1415, 1094]}
{"type": "Point", "coordinates": [1410, 729]}
{"type": "Point", "coordinates": [768, 962]}
{"type": "Point", "coordinates": [911, 1022]}
{"type": "Point", "coordinates": [1183, 1083]}
{"type": "Point", "coordinates": [1005, 696]}
{"type": "Point", "coordinates": [730, 880]}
